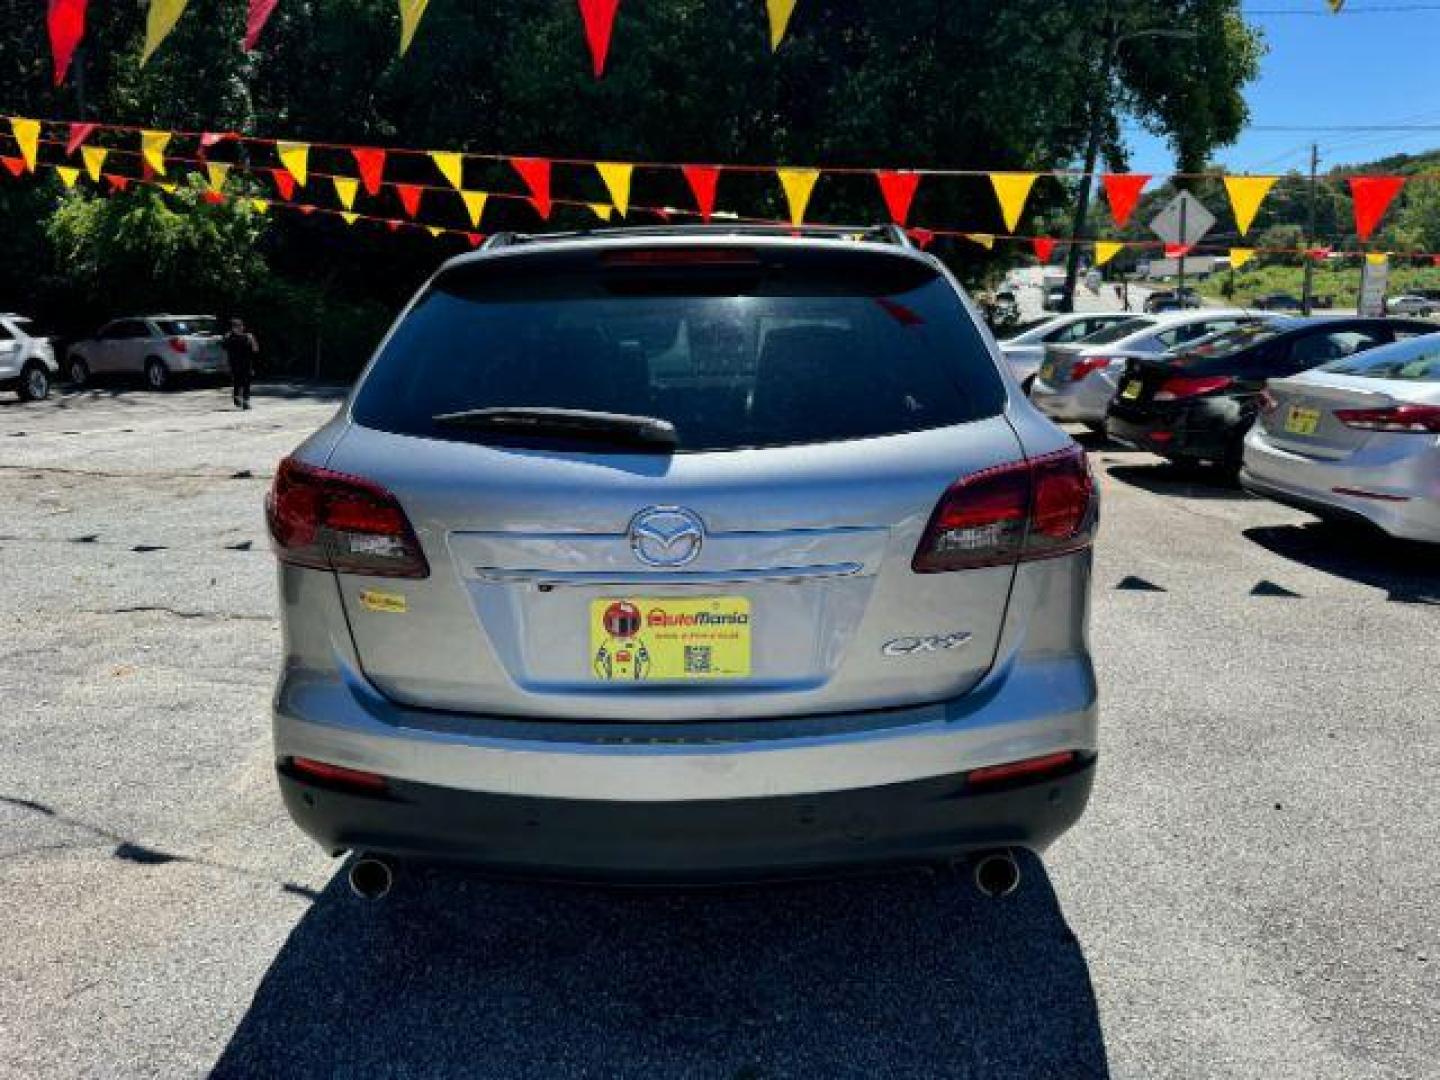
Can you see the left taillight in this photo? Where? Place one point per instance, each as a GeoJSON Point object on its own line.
{"type": "Point", "coordinates": [1033, 509]}
{"type": "Point", "coordinates": [1086, 364]}
{"type": "Point", "coordinates": [1186, 386]}
{"type": "Point", "coordinates": [179, 344]}
{"type": "Point", "coordinates": [1414, 419]}
{"type": "Point", "coordinates": [331, 521]}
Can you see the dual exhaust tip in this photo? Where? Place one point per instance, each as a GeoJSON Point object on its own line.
{"type": "Point", "coordinates": [996, 874]}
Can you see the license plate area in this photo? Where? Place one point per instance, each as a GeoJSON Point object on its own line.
{"type": "Point", "coordinates": [638, 639]}
{"type": "Point", "coordinates": [1301, 421]}
{"type": "Point", "coordinates": [1132, 390]}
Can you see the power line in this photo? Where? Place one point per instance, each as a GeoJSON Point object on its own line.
{"type": "Point", "coordinates": [1316, 11]}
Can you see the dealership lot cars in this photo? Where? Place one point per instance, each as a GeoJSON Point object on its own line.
{"type": "Point", "coordinates": [1251, 892]}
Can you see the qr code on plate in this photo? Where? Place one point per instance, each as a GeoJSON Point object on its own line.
{"type": "Point", "coordinates": [697, 659]}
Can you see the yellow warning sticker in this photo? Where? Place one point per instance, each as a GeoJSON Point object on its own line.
{"type": "Point", "coordinates": [374, 600]}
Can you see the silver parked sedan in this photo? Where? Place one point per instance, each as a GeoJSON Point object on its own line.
{"type": "Point", "coordinates": [1357, 438]}
{"type": "Point", "coordinates": [1026, 350]}
{"type": "Point", "coordinates": [1077, 382]}
{"type": "Point", "coordinates": [159, 347]}
{"type": "Point", "coordinates": [685, 553]}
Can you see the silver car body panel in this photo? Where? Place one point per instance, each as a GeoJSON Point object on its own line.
{"type": "Point", "coordinates": [106, 354]}
{"type": "Point", "coordinates": [18, 347]}
{"type": "Point", "coordinates": [1025, 351]}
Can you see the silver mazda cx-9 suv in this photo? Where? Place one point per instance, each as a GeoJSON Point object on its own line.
{"type": "Point", "coordinates": [686, 553]}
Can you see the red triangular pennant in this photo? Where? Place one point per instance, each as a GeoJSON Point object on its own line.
{"type": "Point", "coordinates": [1372, 196]}
{"type": "Point", "coordinates": [284, 183]}
{"type": "Point", "coordinates": [923, 237]}
{"type": "Point", "coordinates": [371, 164]}
{"type": "Point", "coordinates": [536, 174]}
{"type": "Point", "coordinates": [13, 165]}
{"type": "Point", "coordinates": [117, 183]}
{"type": "Point", "coordinates": [1043, 247]}
{"type": "Point", "coordinates": [65, 21]}
{"type": "Point", "coordinates": [212, 197]}
{"type": "Point", "coordinates": [255, 20]}
{"type": "Point", "coordinates": [1123, 191]}
{"type": "Point", "coordinates": [213, 138]}
{"type": "Point", "coordinates": [409, 198]}
{"type": "Point", "coordinates": [1177, 251]}
{"type": "Point", "coordinates": [305, 208]}
{"type": "Point", "coordinates": [1319, 254]}
{"type": "Point", "coordinates": [703, 180]}
{"type": "Point", "coordinates": [393, 225]}
{"type": "Point", "coordinates": [475, 239]}
{"type": "Point", "coordinates": [899, 191]}
{"type": "Point", "coordinates": [599, 18]}
{"type": "Point", "coordinates": [78, 134]}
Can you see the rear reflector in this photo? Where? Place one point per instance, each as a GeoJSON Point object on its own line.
{"type": "Point", "coordinates": [1032, 509]}
{"type": "Point", "coordinates": [1028, 769]}
{"type": "Point", "coordinates": [1183, 386]}
{"type": "Point", "coordinates": [1414, 419]}
{"type": "Point", "coordinates": [329, 521]}
{"type": "Point", "coordinates": [337, 775]}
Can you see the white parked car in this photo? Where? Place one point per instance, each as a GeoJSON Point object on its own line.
{"type": "Point", "coordinates": [159, 347]}
{"type": "Point", "coordinates": [27, 362]}
{"type": "Point", "coordinates": [1411, 304]}
{"type": "Point", "coordinates": [1076, 382]}
{"type": "Point", "coordinates": [1026, 350]}
{"type": "Point", "coordinates": [1356, 438]}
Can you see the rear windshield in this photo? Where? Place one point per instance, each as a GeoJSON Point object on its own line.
{"type": "Point", "coordinates": [1417, 360]}
{"type": "Point", "coordinates": [779, 348]}
{"type": "Point", "coordinates": [184, 327]}
{"type": "Point", "coordinates": [1228, 342]}
{"type": "Point", "coordinates": [1118, 331]}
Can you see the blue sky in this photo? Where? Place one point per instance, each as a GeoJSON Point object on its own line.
{"type": "Point", "coordinates": [1365, 68]}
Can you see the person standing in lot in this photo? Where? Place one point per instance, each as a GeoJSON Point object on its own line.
{"type": "Point", "coordinates": [241, 348]}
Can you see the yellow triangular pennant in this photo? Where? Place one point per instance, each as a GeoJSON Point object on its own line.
{"type": "Point", "coordinates": [295, 156]}
{"type": "Point", "coordinates": [94, 158]}
{"type": "Point", "coordinates": [616, 175]}
{"type": "Point", "coordinates": [1240, 256]}
{"type": "Point", "coordinates": [984, 239]}
{"type": "Point", "coordinates": [345, 189]}
{"type": "Point", "coordinates": [27, 135]}
{"type": "Point", "coordinates": [798, 184]}
{"type": "Point", "coordinates": [1246, 194]}
{"type": "Point", "coordinates": [348, 217]}
{"type": "Point", "coordinates": [169, 187]}
{"type": "Point", "coordinates": [474, 205]}
{"type": "Point", "coordinates": [1012, 189]}
{"type": "Point", "coordinates": [260, 206]}
{"type": "Point", "coordinates": [434, 230]}
{"type": "Point", "coordinates": [779, 12]}
{"type": "Point", "coordinates": [160, 20]}
{"type": "Point", "coordinates": [1105, 250]}
{"type": "Point", "coordinates": [67, 175]}
{"type": "Point", "coordinates": [152, 148]}
{"type": "Point", "coordinates": [1377, 258]}
{"type": "Point", "coordinates": [218, 172]}
{"type": "Point", "coordinates": [411, 12]}
{"type": "Point", "coordinates": [602, 210]}
{"type": "Point", "coordinates": [451, 166]}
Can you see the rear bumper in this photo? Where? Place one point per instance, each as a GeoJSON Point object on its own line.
{"type": "Point", "coordinates": [920, 822]}
{"type": "Point", "coordinates": [1081, 402]}
{"type": "Point", "coordinates": [1204, 430]}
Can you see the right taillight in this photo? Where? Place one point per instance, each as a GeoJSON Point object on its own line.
{"type": "Point", "coordinates": [1416, 419]}
{"type": "Point", "coordinates": [1187, 386]}
{"type": "Point", "coordinates": [1032, 509]}
{"type": "Point", "coordinates": [1085, 365]}
{"type": "Point", "coordinates": [330, 521]}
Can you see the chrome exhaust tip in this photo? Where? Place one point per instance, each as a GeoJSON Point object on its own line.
{"type": "Point", "coordinates": [371, 877]}
{"type": "Point", "coordinates": [996, 873]}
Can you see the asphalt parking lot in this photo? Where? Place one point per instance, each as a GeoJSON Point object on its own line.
{"type": "Point", "coordinates": [1252, 894]}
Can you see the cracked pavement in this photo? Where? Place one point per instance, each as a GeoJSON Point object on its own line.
{"type": "Point", "coordinates": [1252, 892]}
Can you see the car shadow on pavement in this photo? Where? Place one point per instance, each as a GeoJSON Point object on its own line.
{"type": "Point", "coordinates": [1408, 572]}
{"type": "Point", "coordinates": [1189, 481]}
{"type": "Point", "coordinates": [457, 974]}
{"type": "Point", "coordinates": [1097, 441]}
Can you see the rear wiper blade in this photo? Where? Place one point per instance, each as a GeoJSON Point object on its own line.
{"type": "Point", "coordinates": [572, 423]}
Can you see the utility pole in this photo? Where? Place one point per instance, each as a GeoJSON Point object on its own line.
{"type": "Point", "coordinates": [1098, 110]}
{"type": "Point", "coordinates": [1305, 299]}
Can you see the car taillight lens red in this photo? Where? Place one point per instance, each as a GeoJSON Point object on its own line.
{"type": "Point", "coordinates": [337, 775]}
{"type": "Point", "coordinates": [1084, 366]}
{"type": "Point", "coordinates": [1034, 509]}
{"type": "Point", "coordinates": [179, 344]}
{"type": "Point", "coordinates": [1182, 386]}
{"type": "Point", "coordinates": [1028, 769]}
{"type": "Point", "coordinates": [329, 521]}
{"type": "Point", "coordinates": [1415, 419]}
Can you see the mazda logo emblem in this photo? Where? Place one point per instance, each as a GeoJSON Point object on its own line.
{"type": "Point", "coordinates": [667, 536]}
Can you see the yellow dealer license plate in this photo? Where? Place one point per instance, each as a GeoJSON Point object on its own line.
{"type": "Point", "coordinates": [1302, 421]}
{"type": "Point", "coordinates": [1132, 389]}
{"type": "Point", "coordinates": [1047, 370]}
{"type": "Point", "coordinates": [639, 639]}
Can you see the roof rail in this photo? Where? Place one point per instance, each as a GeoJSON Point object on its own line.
{"type": "Point", "coordinates": [879, 234]}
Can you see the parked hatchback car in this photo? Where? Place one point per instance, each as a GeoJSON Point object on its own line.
{"type": "Point", "coordinates": [1357, 438]}
{"type": "Point", "coordinates": [685, 553]}
{"type": "Point", "coordinates": [158, 347]}
{"type": "Point", "coordinates": [1197, 404]}
{"type": "Point", "coordinates": [27, 361]}
{"type": "Point", "coordinates": [1025, 351]}
{"type": "Point", "coordinates": [1077, 381]}
{"type": "Point", "coordinates": [1411, 304]}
